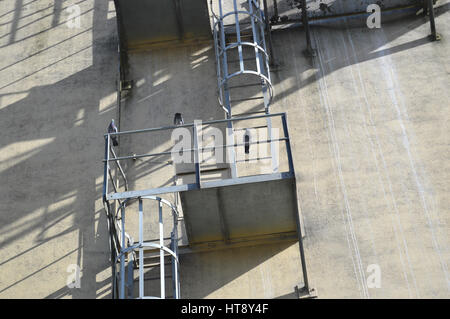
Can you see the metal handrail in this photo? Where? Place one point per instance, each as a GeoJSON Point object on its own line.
{"type": "Point", "coordinates": [199, 149]}
{"type": "Point", "coordinates": [164, 128]}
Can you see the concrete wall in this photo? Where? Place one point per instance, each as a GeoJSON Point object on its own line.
{"type": "Point", "coordinates": [369, 123]}
{"type": "Point", "coordinates": [370, 118]}
{"type": "Point", "coordinates": [57, 96]}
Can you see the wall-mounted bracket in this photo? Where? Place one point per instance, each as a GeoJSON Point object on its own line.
{"type": "Point", "coordinates": [309, 49]}
{"type": "Point", "coordinates": [305, 293]}
{"type": "Point", "coordinates": [428, 8]}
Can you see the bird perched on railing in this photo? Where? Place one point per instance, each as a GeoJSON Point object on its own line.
{"type": "Point", "coordinates": [178, 119]}
{"type": "Point", "coordinates": [112, 128]}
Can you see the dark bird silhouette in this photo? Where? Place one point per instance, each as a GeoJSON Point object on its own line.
{"type": "Point", "coordinates": [178, 119]}
{"type": "Point", "coordinates": [112, 128]}
{"type": "Point", "coordinates": [247, 142]}
{"type": "Point", "coordinates": [274, 19]}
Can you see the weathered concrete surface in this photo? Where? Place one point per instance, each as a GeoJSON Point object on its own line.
{"type": "Point", "coordinates": [57, 96]}
{"type": "Point", "coordinates": [369, 120]}
{"type": "Point", "coordinates": [369, 147]}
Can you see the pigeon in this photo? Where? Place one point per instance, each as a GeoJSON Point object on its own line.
{"type": "Point", "coordinates": [178, 119]}
{"type": "Point", "coordinates": [247, 141]}
{"type": "Point", "coordinates": [112, 128]}
{"type": "Point", "coordinates": [274, 19]}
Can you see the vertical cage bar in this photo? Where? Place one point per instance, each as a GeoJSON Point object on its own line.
{"type": "Point", "coordinates": [161, 251]}
{"type": "Point", "coordinates": [122, 256]}
{"type": "Point", "coordinates": [175, 250]}
{"type": "Point", "coordinates": [230, 149]}
{"type": "Point", "coordinates": [196, 155]}
{"type": "Point", "coordinates": [273, 149]}
{"type": "Point", "coordinates": [130, 273]}
{"type": "Point", "coordinates": [238, 36]}
{"type": "Point", "coordinates": [106, 168]}
{"type": "Point", "coordinates": [268, 28]}
{"type": "Point", "coordinates": [141, 249]}
{"type": "Point", "coordinates": [255, 36]}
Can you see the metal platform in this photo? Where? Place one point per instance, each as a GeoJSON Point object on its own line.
{"type": "Point", "coordinates": [258, 203]}
{"type": "Point", "coordinates": [288, 13]}
{"type": "Point", "coordinates": [196, 179]}
{"type": "Point", "coordinates": [332, 8]}
{"type": "Point", "coordinates": [148, 22]}
{"type": "Point", "coordinates": [239, 211]}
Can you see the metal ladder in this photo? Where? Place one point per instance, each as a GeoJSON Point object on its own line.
{"type": "Point", "coordinates": [256, 42]}
{"type": "Point", "coordinates": [133, 258]}
{"type": "Point", "coordinates": [245, 37]}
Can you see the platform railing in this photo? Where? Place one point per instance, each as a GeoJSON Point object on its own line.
{"type": "Point", "coordinates": [197, 150]}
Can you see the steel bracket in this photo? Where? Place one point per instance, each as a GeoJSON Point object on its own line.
{"type": "Point", "coordinates": [305, 293]}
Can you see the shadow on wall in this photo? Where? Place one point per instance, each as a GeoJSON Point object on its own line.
{"type": "Point", "coordinates": [167, 90]}
{"type": "Point", "coordinates": [288, 42]}
{"type": "Point", "coordinates": [52, 147]}
{"type": "Point", "coordinates": [367, 43]}
{"type": "Point", "coordinates": [159, 98]}
{"type": "Point", "coordinates": [246, 272]}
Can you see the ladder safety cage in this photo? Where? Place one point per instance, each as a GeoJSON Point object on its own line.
{"type": "Point", "coordinates": [257, 45]}
{"type": "Point", "coordinates": [128, 249]}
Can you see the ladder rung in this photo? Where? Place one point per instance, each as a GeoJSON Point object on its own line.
{"type": "Point", "coordinates": [152, 278]}
{"type": "Point", "coordinates": [249, 128]}
{"type": "Point", "coordinates": [234, 25]}
{"type": "Point", "coordinates": [243, 85]}
{"type": "Point", "coordinates": [156, 261]}
{"type": "Point", "coordinates": [246, 59]}
{"type": "Point", "coordinates": [243, 35]}
{"type": "Point", "coordinates": [253, 159]}
{"type": "Point", "coordinates": [153, 264]}
{"type": "Point", "coordinates": [155, 256]}
{"type": "Point", "coordinates": [247, 113]}
{"type": "Point", "coordinates": [248, 99]}
{"type": "Point", "coordinates": [243, 45]}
